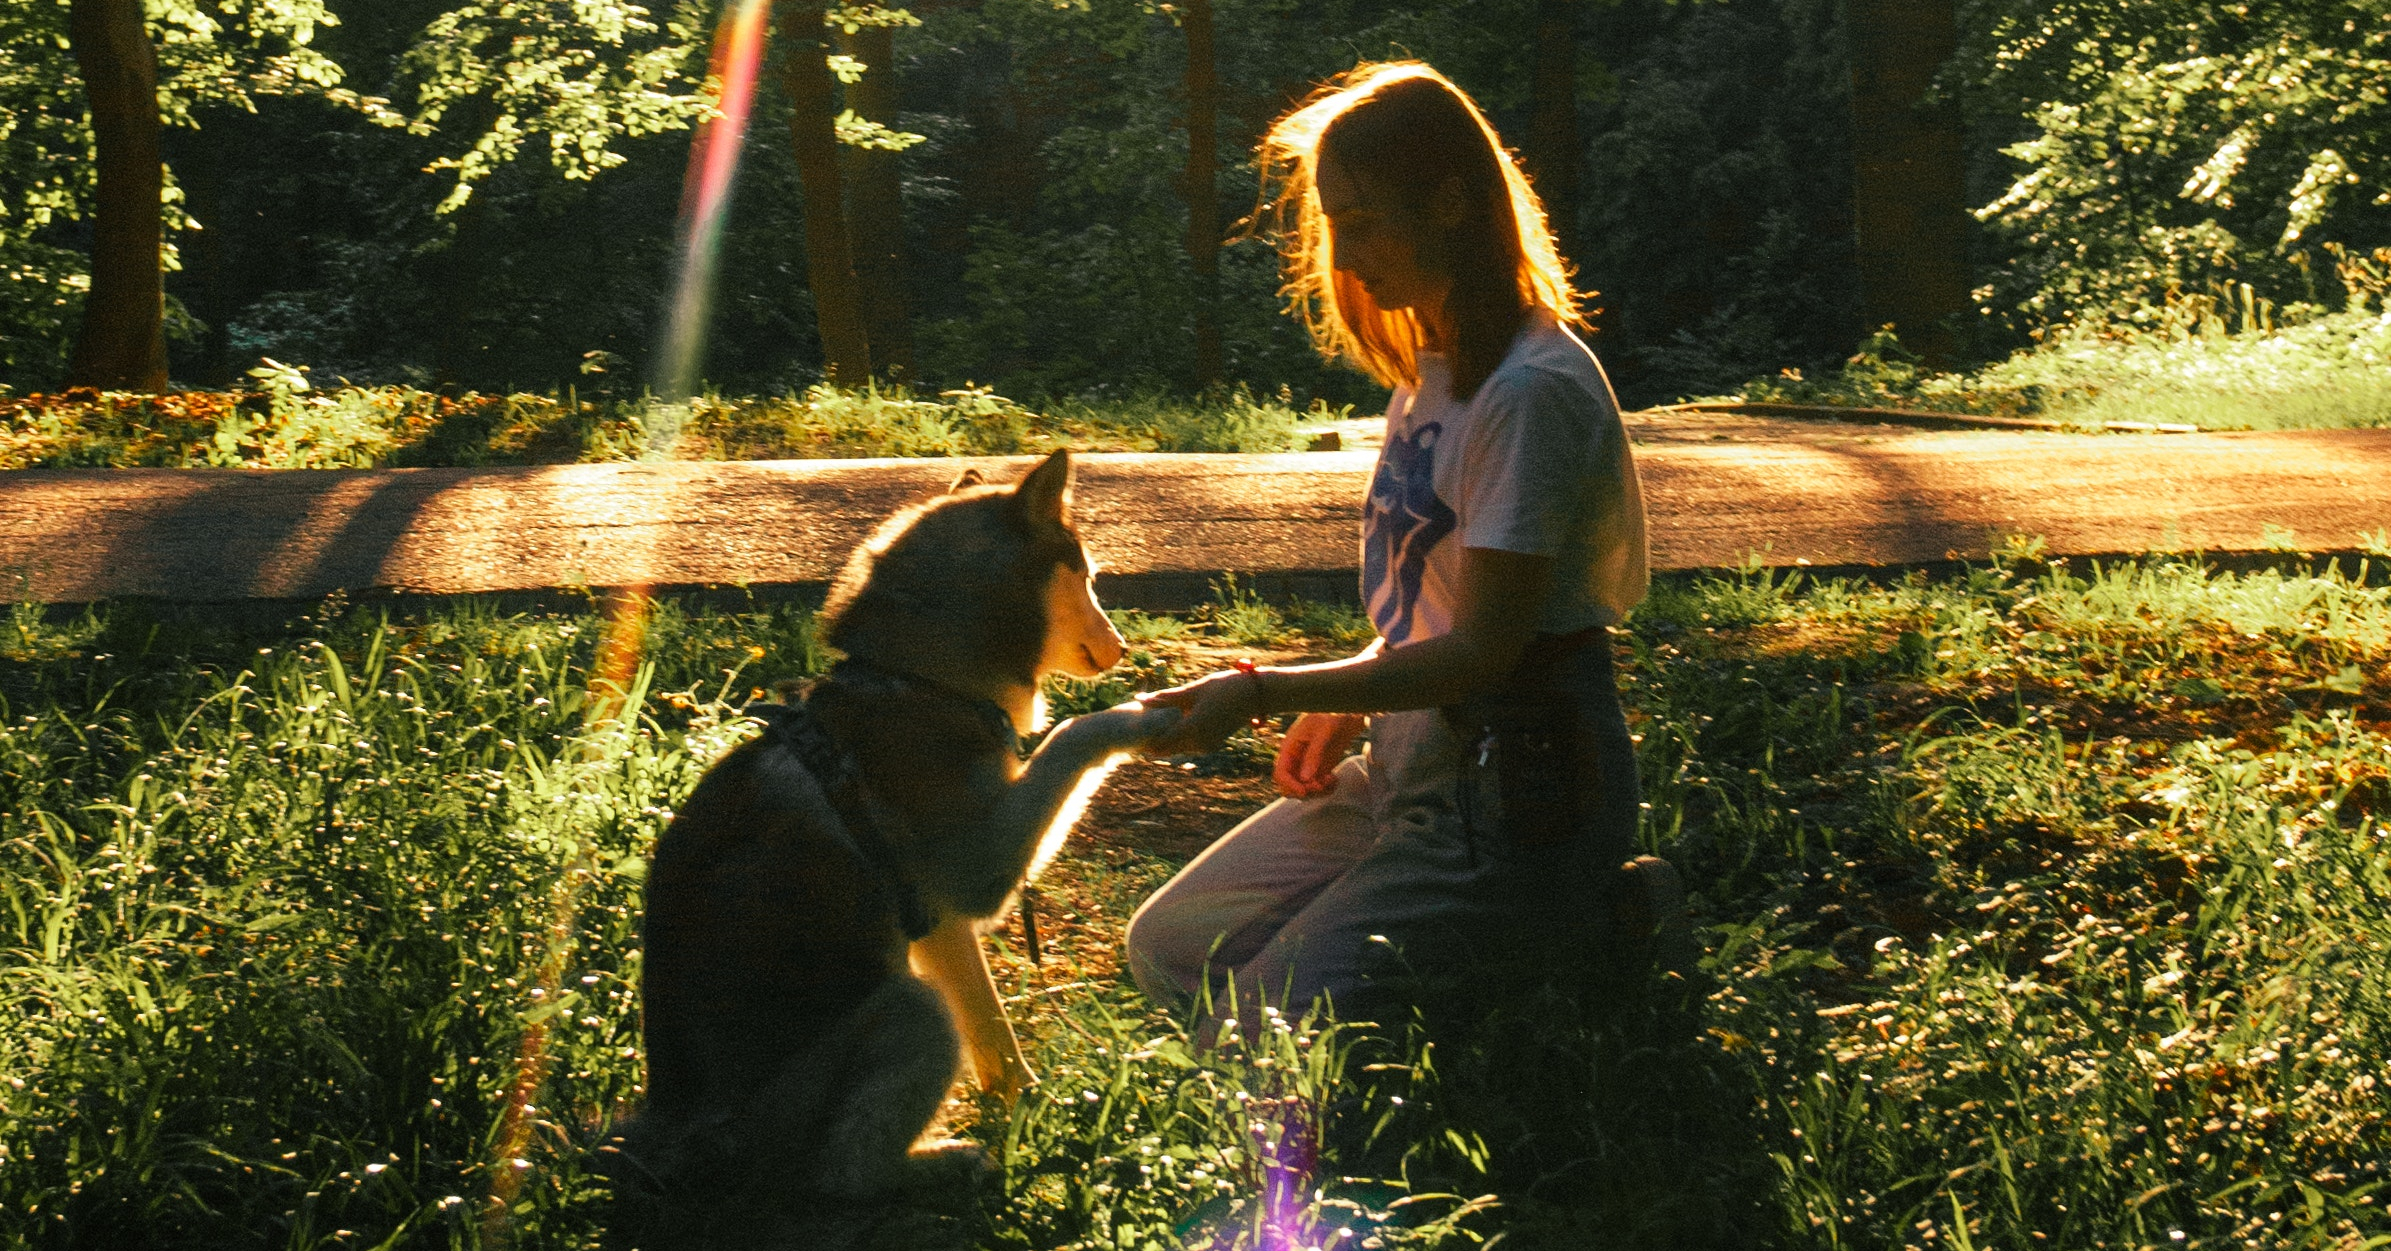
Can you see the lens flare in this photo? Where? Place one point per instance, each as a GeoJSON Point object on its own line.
{"type": "Point", "coordinates": [615, 684]}
{"type": "Point", "coordinates": [615, 671]}
{"type": "Point", "coordinates": [705, 203]}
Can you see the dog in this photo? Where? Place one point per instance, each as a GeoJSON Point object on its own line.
{"type": "Point", "coordinates": [812, 973]}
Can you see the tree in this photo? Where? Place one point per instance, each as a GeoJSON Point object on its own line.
{"type": "Point", "coordinates": [1909, 194]}
{"type": "Point", "coordinates": [122, 345]}
{"type": "Point", "coordinates": [583, 73]}
{"type": "Point", "coordinates": [808, 81]}
{"type": "Point", "coordinates": [580, 72]}
{"type": "Point", "coordinates": [2167, 145]}
{"type": "Point", "coordinates": [875, 197]}
{"type": "Point", "coordinates": [1201, 186]}
{"type": "Point", "coordinates": [84, 101]}
{"type": "Point", "coordinates": [482, 79]}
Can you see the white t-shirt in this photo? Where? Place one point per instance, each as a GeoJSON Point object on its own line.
{"type": "Point", "coordinates": [1536, 462]}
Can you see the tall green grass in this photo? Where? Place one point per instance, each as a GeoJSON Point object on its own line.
{"type": "Point", "coordinates": [2201, 361]}
{"type": "Point", "coordinates": [2049, 909]}
{"type": "Point", "coordinates": [2042, 908]}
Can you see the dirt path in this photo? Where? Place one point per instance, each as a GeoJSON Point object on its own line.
{"type": "Point", "coordinates": [1717, 489]}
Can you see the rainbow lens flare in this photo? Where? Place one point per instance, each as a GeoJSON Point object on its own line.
{"type": "Point", "coordinates": [705, 204]}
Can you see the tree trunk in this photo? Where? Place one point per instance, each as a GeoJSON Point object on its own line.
{"type": "Point", "coordinates": [876, 204]}
{"type": "Point", "coordinates": [122, 345]}
{"type": "Point", "coordinates": [1909, 194]}
{"type": "Point", "coordinates": [1202, 187]}
{"type": "Point", "coordinates": [813, 137]}
{"type": "Point", "coordinates": [1553, 153]}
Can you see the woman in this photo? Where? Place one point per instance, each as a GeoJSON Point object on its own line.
{"type": "Point", "coordinates": [1503, 536]}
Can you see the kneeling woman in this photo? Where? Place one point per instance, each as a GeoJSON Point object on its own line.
{"type": "Point", "coordinates": [1502, 538]}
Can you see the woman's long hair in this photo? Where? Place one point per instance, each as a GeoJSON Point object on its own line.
{"type": "Point", "coordinates": [1406, 129]}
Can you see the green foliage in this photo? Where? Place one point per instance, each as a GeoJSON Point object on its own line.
{"type": "Point", "coordinates": [1341, 624]}
{"type": "Point", "coordinates": [1138, 1139]}
{"type": "Point", "coordinates": [2169, 146]}
{"type": "Point", "coordinates": [581, 73]}
{"type": "Point", "coordinates": [1216, 422]}
{"type": "Point", "coordinates": [2020, 933]}
{"type": "Point", "coordinates": [275, 982]}
{"type": "Point", "coordinates": [1882, 374]}
{"type": "Point", "coordinates": [1716, 215]}
{"type": "Point", "coordinates": [2190, 369]}
{"type": "Point", "coordinates": [45, 177]}
{"type": "Point", "coordinates": [2130, 159]}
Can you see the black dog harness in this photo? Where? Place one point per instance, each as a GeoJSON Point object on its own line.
{"type": "Point", "coordinates": [796, 727]}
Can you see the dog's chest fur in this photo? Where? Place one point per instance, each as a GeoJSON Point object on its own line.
{"type": "Point", "coordinates": [932, 760]}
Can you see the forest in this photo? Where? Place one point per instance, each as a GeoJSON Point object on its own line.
{"type": "Point", "coordinates": [1052, 198]}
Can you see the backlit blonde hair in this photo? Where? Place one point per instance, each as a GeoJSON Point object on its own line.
{"type": "Point", "coordinates": [1407, 129]}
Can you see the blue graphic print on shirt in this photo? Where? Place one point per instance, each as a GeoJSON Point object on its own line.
{"type": "Point", "coordinates": [1404, 520]}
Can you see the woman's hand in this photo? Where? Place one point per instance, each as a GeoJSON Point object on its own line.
{"type": "Point", "coordinates": [1314, 746]}
{"type": "Point", "coordinates": [1212, 708]}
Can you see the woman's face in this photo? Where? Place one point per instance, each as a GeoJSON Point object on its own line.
{"type": "Point", "coordinates": [1374, 239]}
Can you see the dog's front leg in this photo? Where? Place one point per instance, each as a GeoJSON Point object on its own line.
{"type": "Point", "coordinates": [982, 871]}
{"type": "Point", "coordinates": [951, 959]}
{"type": "Point", "coordinates": [1037, 808]}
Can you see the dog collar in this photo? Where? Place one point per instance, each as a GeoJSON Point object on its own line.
{"type": "Point", "coordinates": [991, 714]}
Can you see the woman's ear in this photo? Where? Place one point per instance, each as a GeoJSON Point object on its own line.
{"type": "Point", "coordinates": [970, 478]}
{"type": "Point", "coordinates": [1046, 493]}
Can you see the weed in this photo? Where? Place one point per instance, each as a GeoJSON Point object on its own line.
{"type": "Point", "coordinates": [1239, 614]}
{"type": "Point", "coordinates": [1139, 627]}
{"type": "Point", "coordinates": [1342, 624]}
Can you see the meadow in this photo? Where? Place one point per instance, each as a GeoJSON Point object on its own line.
{"type": "Point", "coordinates": [2042, 906]}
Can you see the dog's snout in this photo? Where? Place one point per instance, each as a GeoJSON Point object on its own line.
{"type": "Point", "coordinates": [1080, 639]}
{"type": "Point", "coordinates": [1105, 652]}
{"type": "Point", "coordinates": [1105, 646]}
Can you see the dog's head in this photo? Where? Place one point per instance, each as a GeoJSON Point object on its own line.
{"type": "Point", "coordinates": [985, 578]}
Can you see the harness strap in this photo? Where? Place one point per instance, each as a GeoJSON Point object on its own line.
{"type": "Point", "coordinates": [795, 727]}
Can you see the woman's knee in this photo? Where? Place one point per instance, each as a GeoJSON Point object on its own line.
{"type": "Point", "coordinates": [1156, 948]}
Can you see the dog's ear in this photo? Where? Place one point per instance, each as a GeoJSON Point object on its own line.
{"type": "Point", "coordinates": [971, 477]}
{"type": "Point", "coordinates": [1046, 493]}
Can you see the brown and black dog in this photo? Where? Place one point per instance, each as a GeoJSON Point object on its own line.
{"type": "Point", "coordinates": [812, 970]}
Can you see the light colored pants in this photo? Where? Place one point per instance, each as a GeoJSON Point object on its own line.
{"type": "Point", "coordinates": [1348, 894]}
{"type": "Point", "coordinates": [1316, 896]}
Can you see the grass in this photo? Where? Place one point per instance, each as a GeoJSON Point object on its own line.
{"type": "Point", "coordinates": [2219, 361]}
{"type": "Point", "coordinates": [286, 424]}
{"type": "Point", "coordinates": [2042, 908]}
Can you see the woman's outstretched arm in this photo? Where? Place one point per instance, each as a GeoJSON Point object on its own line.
{"type": "Point", "coordinates": [1500, 598]}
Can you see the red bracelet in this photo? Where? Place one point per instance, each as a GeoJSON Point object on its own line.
{"type": "Point", "coordinates": [1246, 666]}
